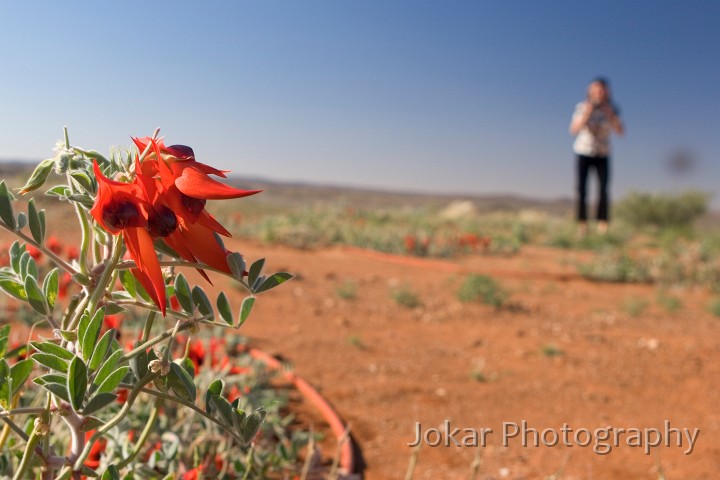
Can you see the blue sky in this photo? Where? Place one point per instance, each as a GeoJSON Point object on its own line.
{"type": "Point", "coordinates": [443, 96]}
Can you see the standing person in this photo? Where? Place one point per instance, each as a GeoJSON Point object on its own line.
{"type": "Point", "coordinates": [592, 123]}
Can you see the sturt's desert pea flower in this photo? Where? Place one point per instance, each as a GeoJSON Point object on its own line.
{"type": "Point", "coordinates": [166, 199]}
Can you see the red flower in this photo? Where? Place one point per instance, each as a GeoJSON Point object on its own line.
{"type": "Point", "coordinates": [54, 245]}
{"type": "Point", "coordinates": [184, 186]}
{"type": "Point", "coordinates": [193, 474]}
{"type": "Point", "coordinates": [122, 396]}
{"type": "Point", "coordinates": [122, 208]}
{"type": "Point", "coordinates": [196, 353]}
{"type": "Point", "coordinates": [96, 451]}
{"type": "Point", "coordinates": [165, 200]}
{"type": "Point", "coordinates": [73, 252]}
{"type": "Point", "coordinates": [34, 252]}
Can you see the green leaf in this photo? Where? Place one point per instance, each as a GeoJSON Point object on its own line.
{"type": "Point", "coordinates": [181, 383]}
{"type": "Point", "coordinates": [101, 349]}
{"type": "Point", "coordinates": [19, 373]}
{"type": "Point", "coordinates": [84, 200]}
{"type": "Point", "coordinates": [188, 365]}
{"type": "Point", "coordinates": [236, 263]}
{"type": "Point", "coordinates": [226, 410]}
{"type": "Point", "coordinates": [38, 177]}
{"type": "Point", "coordinates": [90, 423]}
{"type": "Point", "coordinates": [89, 334]}
{"type": "Point", "coordinates": [34, 220]}
{"type": "Point", "coordinates": [255, 270]}
{"type": "Point", "coordinates": [24, 261]}
{"type": "Point", "coordinates": [139, 363]}
{"type": "Point", "coordinates": [13, 288]}
{"type": "Point", "coordinates": [112, 308]}
{"type": "Point", "coordinates": [165, 249]}
{"type": "Point", "coordinates": [113, 380]}
{"type": "Point", "coordinates": [202, 301]}
{"type": "Point", "coordinates": [32, 269]}
{"type": "Point", "coordinates": [245, 309]}
{"type": "Point", "coordinates": [108, 367]}
{"type": "Point", "coordinates": [224, 308]}
{"type": "Point", "coordinates": [99, 401]}
{"type": "Point", "coordinates": [21, 220]}
{"type": "Point", "coordinates": [128, 282]}
{"type": "Point", "coordinates": [60, 191]}
{"type": "Point", "coordinates": [273, 281]}
{"type": "Point", "coordinates": [51, 361]}
{"type": "Point", "coordinates": [77, 382]}
{"type": "Point", "coordinates": [83, 180]}
{"type": "Point", "coordinates": [4, 336]}
{"type": "Point", "coordinates": [16, 252]}
{"type": "Point", "coordinates": [93, 155]}
{"type": "Point", "coordinates": [111, 473]}
{"type": "Point", "coordinates": [69, 335]}
{"type": "Point", "coordinates": [5, 384]}
{"type": "Point", "coordinates": [252, 423]}
{"type": "Point", "coordinates": [57, 389]}
{"type": "Point", "coordinates": [183, 294]}
{"type": "Point", "coordinates": [6, 210]}
{"type": "Point", "coordinates": [53, 349]}
{"type": "Point", "coordinates": [51, 378]}
{"type": "Point", "coordinates": [35, 296]}
{"type": "Point", "coordinates": [51, 287]}
{"type": "Point", "coordinates": [41, 216]}
{"type": "Point", "coordinates": [215, 388]}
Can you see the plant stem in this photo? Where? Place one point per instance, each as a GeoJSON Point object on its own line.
{"type": "Point", "coordinates": [128, 264]}
{"type": "Point", "coordinates": [49, 253]}
{"type": "Point", "coordinates": [27, 455]}
{"type": "Point", "coordinates": [153, 341]}
{"type": "Point", "coordinates": [148, 326]}
{"type": "Point", "coordinates": [22, 411]}
{"type": "Point", "coordinates": [136, 389]}
{"type": "Point", "coordinates": [101, 285]}
{"type": "Point", "coordinates": [193, 407]}
{"type": "Point", "coordinates": [143, 435]}
{"type": "Point", "coordinates": [248, 464]}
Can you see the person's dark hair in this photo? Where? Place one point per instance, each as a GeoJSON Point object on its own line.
{"type": "Point", "coordinates": [602, 80]}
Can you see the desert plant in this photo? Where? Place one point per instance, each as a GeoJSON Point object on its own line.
{"type": "Point", "coordinates": [484, 289]}
{"type": "Point", "coordinates": [405, 297]}
{"type": "Point", "coordinates": [347, 290]}
{"type": "Point", "coordinates": [635, 306]}
{"type": "Point", "coordinates": [663, 210]}
{"type": "Point", "coordinates": [141, 220]}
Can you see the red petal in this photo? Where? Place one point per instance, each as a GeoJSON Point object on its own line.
{"type": "Point", "coordinates": [177, 243]}
{"type": "Point", "coordinates": [196, 184]}
{"type": "Point", "coordinates": [205, 247]}
{"type": "Point", "coordinates": [209, 221]}
{"type": "Point", "coordinates": [141, 249]}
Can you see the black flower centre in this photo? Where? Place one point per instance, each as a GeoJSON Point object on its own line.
{"type": "Point", "coordinates": [120, 215]}
{"type": "Point", "coordinates": [193, 205]}
{"type": "Point", "coordinates": [162, 222]}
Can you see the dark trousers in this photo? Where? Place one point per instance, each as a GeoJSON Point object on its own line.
{"type": "Point", "coordinates": [601, 165]}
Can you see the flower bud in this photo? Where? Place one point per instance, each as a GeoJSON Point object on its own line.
{"type": "Point", "coordinates": [41, 428]}
{"type": "Point", "coordinates": [159, 366]}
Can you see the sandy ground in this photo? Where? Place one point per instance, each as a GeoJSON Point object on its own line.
{"type": "Point", "coordinates": [565, 353]}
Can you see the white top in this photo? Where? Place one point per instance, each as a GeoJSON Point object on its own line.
{"type": "Point", "coordinates": [594, 138]}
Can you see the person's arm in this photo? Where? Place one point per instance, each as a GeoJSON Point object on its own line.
{"type": "Point", "coordinates": [580, 120]}
{"type": "Point", "coordinates": [614, 119]}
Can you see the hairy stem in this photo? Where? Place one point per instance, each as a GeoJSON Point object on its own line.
{"type": "Point", "coordinates": [62, 264]}
{"type": "Point", "coordinates": [143, 435]}
{"type": "Point", "coordinates": [195, 408]}
{"type": "Point", "coordinates": [134, 392]}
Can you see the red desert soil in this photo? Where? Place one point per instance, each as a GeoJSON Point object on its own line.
{"type": "Point", "coordinates": [564, 351]}
{"type": "Point", "coordinates": [386, 367]}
